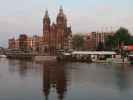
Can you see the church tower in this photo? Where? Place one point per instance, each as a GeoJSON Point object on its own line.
{"type": "Point", "coordinates": [46, 24]}
{"type": "Point", "coordinates": [61, 19]}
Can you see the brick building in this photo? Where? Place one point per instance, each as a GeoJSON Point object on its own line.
{"type": "Point", "coordinates": [26, 43]}
{"type": "Point", "coordinates": [23, 41]}
{"type": "Point", "coordinates": [94, 38]}
{"type": "Point", "coordinates": [12, 43]}
{"type": "Point", "coordinates": [56, 36]}
{"type": "Point", "coordinates": [17, 43]}
{"type": "Point", "coordinates": [89, 43]}
{"type": "Point", "coordinates": [100, 37]}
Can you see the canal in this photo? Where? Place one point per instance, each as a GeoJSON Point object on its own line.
{"type": "Point", "coordinates": [27, 80]}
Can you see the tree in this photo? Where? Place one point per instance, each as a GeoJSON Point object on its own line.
{"type": "Point", "coordinates": [110, 43]}
{"type": "Point", "coordinates": [78, 42]}
{"type": "Point", "coordinates": [122, 35]}
{"type": "Point", "coordinates": [130, 42]}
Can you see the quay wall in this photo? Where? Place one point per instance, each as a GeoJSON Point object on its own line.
{"type": "Point", "coordinates": [45, 58]}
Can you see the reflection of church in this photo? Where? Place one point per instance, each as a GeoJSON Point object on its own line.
{"type": "Point", "coordinates": [54, 76]}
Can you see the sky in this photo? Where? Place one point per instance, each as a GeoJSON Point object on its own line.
{"type": "Point", "coordinates": [84, 16]}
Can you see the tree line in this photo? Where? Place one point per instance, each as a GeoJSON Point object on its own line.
{"type": "Point", "coordinates": [112, 42]}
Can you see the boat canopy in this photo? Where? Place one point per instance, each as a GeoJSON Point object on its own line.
{"type": "Point", "coordinates": [94, 52]}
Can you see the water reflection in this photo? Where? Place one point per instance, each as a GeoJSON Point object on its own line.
{"type": "Point", "coordinates": [23, 67]}
{"type": "Point", "coordinates": [90, 81]}
{"type": "Point", "coordinates": [54, 76]}
{"type": "Point", "coordinates": [121, 77]}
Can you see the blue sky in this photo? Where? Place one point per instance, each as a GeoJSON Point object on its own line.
{"type": "Point", "coordinates": [25, 16]}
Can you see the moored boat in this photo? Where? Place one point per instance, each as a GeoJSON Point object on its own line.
{"type": "Point", "coordinates": [2, 56]}
{"type": "Point", "coordinates": [19, 54]}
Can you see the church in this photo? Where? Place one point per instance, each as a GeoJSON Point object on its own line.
{"type": "Point", "coordinates": [56, 36]}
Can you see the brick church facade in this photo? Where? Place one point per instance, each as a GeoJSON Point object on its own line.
{"type": "Point", "coordinates": [56, 36]}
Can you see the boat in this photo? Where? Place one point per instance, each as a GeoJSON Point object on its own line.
{"type": "Point", "coordinates": [19, 54]}
{"type": "Point", "coordinates": [2, 56]}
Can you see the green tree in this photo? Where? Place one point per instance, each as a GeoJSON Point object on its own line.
{"type": "Point", "coordinates": [110, 43]}
{"type": "Point", "coordinates": [130, 42]}
{"type": "Point", "coordinates": [78, 42]}
{"type": "Point", "coordinates": [122, 35]}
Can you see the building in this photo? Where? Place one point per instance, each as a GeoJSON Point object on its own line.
{"type": "Point", "coordinates": [56, 36]}
{"type": "Point", "coordinates": [30, 43]}
{"type": "Point", "coordinates": [93, 39]}
{"type": "Point", "coordinates": [17, 43]}
{"type": "Point", "coordinates": [23, 44]}
{"type": "Point", "coordinates": [11, 43]}
{"type": "Point", "coordinates": [89, 44]}
{"type": "Point", "coordinates": [36, 42]}
{"type": "Point", "coordinates": [100, 37]}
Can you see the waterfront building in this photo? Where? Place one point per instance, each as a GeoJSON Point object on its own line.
{"type": "Point", "coordinates": [23, 42]}
{"type": "Point", "coordinates": [11, 43]}
{"type": "Point", "coordinates": [35, 43]}
{"type": "Point", "coordinates": [56, 36]}
{"type": "Point", "coordinates": [17, 43]}
{"type": "Point", "coordinates": [29, 43]}
{"type": "Point", "coordinates": [89, 44]}
{"type": "Point", "coordinates": [93, 39]}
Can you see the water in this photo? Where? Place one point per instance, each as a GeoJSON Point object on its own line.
{"type": "Point", "coordinates": [27, 80]}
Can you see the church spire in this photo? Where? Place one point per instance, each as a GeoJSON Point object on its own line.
{"type": "Point", "coordinates": [61, 10]}
{"type": "Point", "coordinates": [46, 17]}
{"type": "Point", "coordinates": [46, 23]}
{"type": "Point", "coordinates": [61, 17]}
{"type": "Point", "coordinates": [46, 13]}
